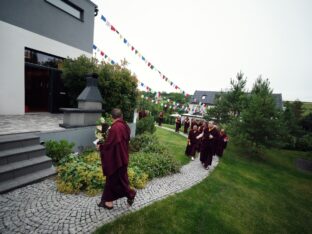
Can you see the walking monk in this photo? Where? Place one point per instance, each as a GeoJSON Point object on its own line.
{"type": "Point", "coordinates": [192, 142]}
{"type": "Point", "coordinates": [178, 124]}
{"type": "Point", "coordinates": [222, 143]}
{"type": "Point", "coordinates": [115, 158]}
{"type": "Point", "coordinates": [186, 125]}
{"type": "Point", "coordinates": [208, 145]}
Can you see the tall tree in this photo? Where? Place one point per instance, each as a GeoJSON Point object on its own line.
{"type": "Point", "coordinates": [229, 105]}
{"type": "Point", "coordinates": [260, 122]}
{"type": "Point", "coordinates": [297, 108]}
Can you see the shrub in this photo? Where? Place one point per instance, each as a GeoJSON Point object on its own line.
{"type": "Point", "coordinates": [80, 173]}
{"type": "Point", "coordinates": [146, 124]}
{"type": "Point", "coordinates": [304, 143]}
{"type": "Point", "coordinates": [137, 177]}
{"type": "Point", "coordinates": [153, 164]}
{"type": "Point", "coordinates": [139, 141]}
{"type": "Point", "coordinates": [57, 150]}
{"type": "Point", "coordinates": [83, 173]}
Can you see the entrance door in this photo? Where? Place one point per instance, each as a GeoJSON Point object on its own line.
{"type": "Point", "coordinates": [37, 84]}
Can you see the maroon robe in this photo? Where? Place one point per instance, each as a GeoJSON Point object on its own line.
{"type": "Point", "coordinates": [115, 158]}
{"type": "Point", "coordinates": [160, 119]}
{"type": "Point", "coordinates": [222, 143]}
{"type": "Point", "coordinates": [186, 125]}
{"type": "Point", "coordinates": [192, 147]}
{"type": "Point", "coordinates": [178, 125]}
{"type": "Point", "coordinates": [208, 145]}
{"type": "Point", "coordinates": [142, 114]}
{"type": "Point", "coordinates": [200, 130]}
{"type": "Point", "coordinates": [193, 123]}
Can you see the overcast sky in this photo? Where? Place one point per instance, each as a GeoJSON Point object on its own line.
{"type": "Point", "coordinates": [201, 44]}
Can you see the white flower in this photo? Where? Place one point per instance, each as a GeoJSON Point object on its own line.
{"type": "Point", "coordinates": [99, 136]}
{"type": "Point", "coordinates": [102, 120]}
{"type": "Point", "coordinates": [99, 127]}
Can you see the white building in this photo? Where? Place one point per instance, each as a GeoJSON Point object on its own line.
{"type": "Point", "coordinates": [35, 36]}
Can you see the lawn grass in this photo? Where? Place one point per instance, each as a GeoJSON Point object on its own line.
{"type": "Point", "coordinates": [243, 195]}
{"type": "Point", "coordinates": [171, 126]}
{"type": "Point", "coordinates": [174, 142]}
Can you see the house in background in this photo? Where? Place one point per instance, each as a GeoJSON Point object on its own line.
{"type": "Point", "coordinates": [206, 99]}
{"type": "Point", "coordinates": [36, 35]}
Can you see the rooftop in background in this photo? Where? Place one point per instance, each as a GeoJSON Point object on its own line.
{"type": "Point", "coordinates": [208, 98]}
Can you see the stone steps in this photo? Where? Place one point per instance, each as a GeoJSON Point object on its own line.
{"type": "Point", "coordinates": [20, 154]}
{"type": "Point", "coordinates": [22, 161]}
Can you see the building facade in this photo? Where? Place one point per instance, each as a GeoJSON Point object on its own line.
{"type": "Point", "coordinates": [36, 35]}
{"type": "Point", "coordinates": [201, 100]}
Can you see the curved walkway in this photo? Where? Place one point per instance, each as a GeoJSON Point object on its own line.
{"type": "Point", "coordinates": [39, 208]}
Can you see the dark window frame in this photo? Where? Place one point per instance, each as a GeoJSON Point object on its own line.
{"type": "Point", "coordinates": [81, 18]}
{"type": "Point", "coordinates": [44, 53]}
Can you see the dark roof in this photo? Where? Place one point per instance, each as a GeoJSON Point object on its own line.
{"type": "Point", "coordinates": [208, 97]}
{"type": "Point", "coordinates": [205, 97]}
{"type": "Point", "coordinates": [278, 100]}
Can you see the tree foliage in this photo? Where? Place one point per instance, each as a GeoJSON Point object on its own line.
{"type": "Point", "coordinates": [117, 85]}
{"type": "Point", "coordinates": [229, 105]}
{"type": "Point", "coordinates": [260, 120]}
{"type": "Point", "coordinates": [74, 76]}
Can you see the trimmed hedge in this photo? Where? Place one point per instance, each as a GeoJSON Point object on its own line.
{"type": "Point", "coordinates": [146, 124]}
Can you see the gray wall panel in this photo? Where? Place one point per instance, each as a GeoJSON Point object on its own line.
{"type": "Point", "coordinates": [40, 17]}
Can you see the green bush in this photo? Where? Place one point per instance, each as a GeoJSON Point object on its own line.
{"type": "Point", "coordinates": [304, 143]}
{"type": "Point", "coordinates": [57, 150]}
{"type": "Point", "coordinates": [80, 174]}
{"type": "Point", "coordinates": [154, 164]}
{"type": "Point", "coordinates": [146, 124]}
{"type": "Point", "coordinates": [151, 157]}
{"type": "Point", "coordinates": [139, 141]}
{"type": "Point", "coordinates": [83, 173]}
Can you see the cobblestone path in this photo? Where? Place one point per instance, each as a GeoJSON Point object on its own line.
{"type": "Point", "coordinates": [39, 208]}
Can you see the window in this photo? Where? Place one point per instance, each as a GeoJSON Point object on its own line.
{"type": "Point", "coordinates": [43, 59]}
{"type": "Point", "coordinates": [204, 97]}
{"type": "Point", "coordinates": [67, 7]}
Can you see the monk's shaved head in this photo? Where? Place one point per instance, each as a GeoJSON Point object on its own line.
{"type": "Point", "coordinates": [116, 113]}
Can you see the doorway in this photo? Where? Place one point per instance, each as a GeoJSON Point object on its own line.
{"type": "Point", "coordinates": [44, 89]}
{"type": "Point", "coordinates": [36, 89]}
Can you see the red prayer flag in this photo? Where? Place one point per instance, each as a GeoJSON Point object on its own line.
{"type": "Point", "coordinates": [102, 53]}
{"type": "Point", "coordinates": [112, 28]}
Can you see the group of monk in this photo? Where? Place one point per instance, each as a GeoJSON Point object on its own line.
{"type": "Point", "coordinates": [205, 138]}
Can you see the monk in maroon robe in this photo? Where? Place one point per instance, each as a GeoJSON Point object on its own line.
{"type": "Point", "coordinates": [186, 125]}
{"type": "Point", "coordinates": [178, 124]}
{"type": "Point", "coordinates": [160, 118]}
{"type": "Point", "coordinates": [209, 138]}
{"type": "Point", "coordinates": [142, 114]}
{"type": "Point", "coordinates": [200, 131]}
{"type": "Point", "coordinates": [193, 122]}
{"type": "Point", "coordinates": [222, 143]}
{"type": "Point", "coordinates": [115, 158]}
{"type": "Point", "coordinates": [192, 143]}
